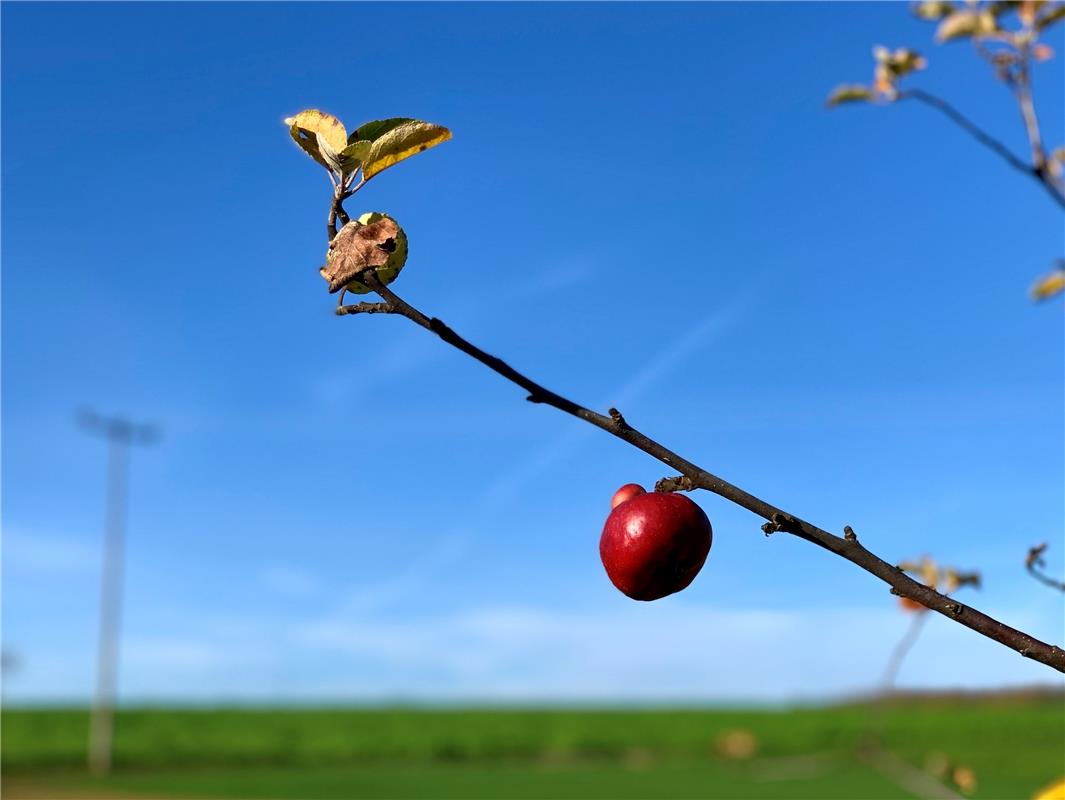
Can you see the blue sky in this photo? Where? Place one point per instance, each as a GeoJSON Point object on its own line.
{"type": "Point", "coordinates": [645, 205]}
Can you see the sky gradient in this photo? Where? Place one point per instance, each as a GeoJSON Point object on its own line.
{"type": "Point", "coordinates": [642, 205]}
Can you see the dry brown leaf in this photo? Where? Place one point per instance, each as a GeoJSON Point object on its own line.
{"type": "Point", "coordinates": [358, 247]}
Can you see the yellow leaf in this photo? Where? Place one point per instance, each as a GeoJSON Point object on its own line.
{"type": "Point", "coordinates": [400, 143]}
{"type": "Point", "coordinates": [1048, 286]}
{"type": "Point", "coordinates": [322, 136]}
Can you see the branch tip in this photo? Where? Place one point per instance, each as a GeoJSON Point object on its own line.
{"type": "Point", "coordinates": [781, 523]}
{"type": "Point", "coordinates": [365, 308]}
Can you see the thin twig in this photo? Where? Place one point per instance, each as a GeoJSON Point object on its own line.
{"type": "Point", "coordinates": [365, 308]}
{"type": "Point", "coordinates": [1033, 563]}
{"type": "Point", "coordinates": [341, 192]}
{"type": "Point", "coordinates": [336, 208]}
{"type": "Point", "coordinates": [1023, 91]}
{"type": "Point", "coordinates": [1038, 172]}
{"type": "Point", "coordinates": [850, 549]}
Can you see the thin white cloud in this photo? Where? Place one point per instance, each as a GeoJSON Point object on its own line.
{"type": "Point", "coordinates": [634, 652]}
{"type": "Point", "coordinates": [43, 554]}
{"type": "Point", "coordinates": [666, 650]}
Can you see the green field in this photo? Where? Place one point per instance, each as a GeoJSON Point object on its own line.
{"type": "Point", "coordinates": [1013, 747]}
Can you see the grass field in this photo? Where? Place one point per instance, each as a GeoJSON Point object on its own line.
{"type": "Point", "coordinates": [1014, 747]}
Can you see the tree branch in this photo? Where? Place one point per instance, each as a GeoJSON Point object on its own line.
{"type": "Point", "coordinates": [847, 547]}
{"type": "Point", "coordinates": [1036, 171]}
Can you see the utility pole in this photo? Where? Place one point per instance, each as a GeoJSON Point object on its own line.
{"type": "Point", "coordinates": [120, 434]}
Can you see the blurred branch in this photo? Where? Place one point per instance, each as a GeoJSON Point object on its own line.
{"type": "Point", "coordinates": [898, 655]}
{"type": "Point", "coordinates": [1037, 171]}
{"type": "Point", "coordinates": [1035, 561]}
{"type": "Point", "coordinates": [847, 547]}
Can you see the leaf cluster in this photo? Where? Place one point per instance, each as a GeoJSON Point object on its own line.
{"type": "Point", "coordinates": [371, 148]}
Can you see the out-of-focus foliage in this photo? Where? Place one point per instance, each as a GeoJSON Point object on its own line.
{"type": "Point", "coordinates": [944, 579]}
{"type": "Point", "coordinates": [933, 9]}
{"type": "Point", "coordinates": [1005, 33]}
{"type": "Point", "coordinates": [891, 65]}
{"type": "Point", "coordinates": [965, 23]}
{"type": "Point", "coordinates": [849, 93]}
{"type": "Point", "coordinates": [984, 23]}
{"type": "Point", "coordinates": [1049, 285]}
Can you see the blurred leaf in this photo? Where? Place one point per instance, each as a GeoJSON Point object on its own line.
{"type": "Point", "coordinates": [965, 23]}
{"type": "Point", "coordinates": [905, 60]}
{"type": "Point", "coordinates": [854, 93]}
{"type": "Point", "coordinates": [1048, 286]}
{"type": "Point", "coordinates": [320, 135]}
{"type": "Point", "coordinates": [402, 142]}
{"type": "Point", "coordinates": [1048, 18]}
{"type": "Point", "coordinates": [1059, 154]}
{"type": "Point", "coordinates": [929, 572]}
{"type": "Point", "coordinates": [933, 9]}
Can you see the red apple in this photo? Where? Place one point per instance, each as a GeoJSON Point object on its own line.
{"type": "Point", "coordinates": [626, 492]}
{"type": "Point", "coordinates": [654, 544]}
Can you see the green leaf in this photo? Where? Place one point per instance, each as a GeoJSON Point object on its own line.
{"type": "Point", "coordinates": [320, 135]}
{"type": "Point", "coordinates": [1055, 14]}
{"type": "Point", "coordinates": [933, 9]}
{"type": "Point", "coordinates": [378, 128]}
{"type": "Point", "coordinates": [855, 93]}
{"type": "Point", "coordinates": [400, 142]}
{"type": "Point", "coordinates": [351, 156]}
